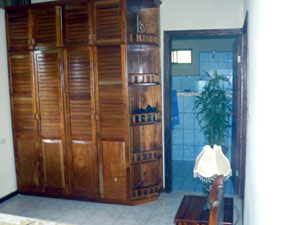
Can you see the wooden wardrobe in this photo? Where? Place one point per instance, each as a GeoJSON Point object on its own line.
{"type": "Point", "coordinates": [86, 99]}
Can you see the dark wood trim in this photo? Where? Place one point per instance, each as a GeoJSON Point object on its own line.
{"type": "Point", "coordinates": [184, 34]}
{"type": "Point", "coordinates": [6, 197]}
{"type": "Point", "coordinates": [221, 33]}
{"type": "Point", "coordinates": [244, 104]}
{"type": "Point", "coordinates": [245, 26]}
{"type": "Point", "coordinates": [167, 113]}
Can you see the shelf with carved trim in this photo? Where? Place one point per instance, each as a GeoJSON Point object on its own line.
{"type": "Point", "coordinates": [146, 156]}
{"type": "Point", "coordinates": [139, 79]}
{"type": "Point", "coordinates": [143, 39]}
{"type": "Point", "coordinates": [140, 119]}
{"type": "Point", "coordinates": [141, 190]}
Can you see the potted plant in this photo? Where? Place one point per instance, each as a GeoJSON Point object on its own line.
{"type": "Point", "coordinates": [214, 108]}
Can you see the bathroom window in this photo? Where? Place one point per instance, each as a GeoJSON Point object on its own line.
{"type": "Point", "coordinates": [181, 56]}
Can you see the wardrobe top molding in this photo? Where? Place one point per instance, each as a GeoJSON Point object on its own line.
{"type": "Point", "coordinates": [131, 4]}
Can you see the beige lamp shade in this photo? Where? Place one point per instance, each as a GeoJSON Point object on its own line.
{"type": "Point", "coordinates": [210, 163]}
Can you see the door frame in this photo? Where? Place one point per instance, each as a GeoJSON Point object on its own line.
{"type": "Point", "coordinates": [213, 33]}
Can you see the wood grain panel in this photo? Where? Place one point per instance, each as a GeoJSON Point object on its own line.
{"type": "Point", "coordinates": [24, 123]}
{"type": "Point", "coordinates": [140, 97]}
{"type": "Point", "coordinates": [45, 27]}
{"type": "Point", "coordinates": [80, 114]}
{"type": "Point", "coordinates": [79, 92]}
{"type": "Point", "coordinates": [112, 122]}
{"type": "Point", "coordinates": [21, 73]}
{"type": "Point", "coordinates": [21, 90]}
{"type": "Point", "coordinates": [79, 72]}
{"type": "Point", "coordinates": [84, 169]}
{"type": "Point", "coordinates": [79, 77]}
{"type": "Point", "coordinates": [108, 21]}
{"type": "Point", "coordinates": [114, 170]}
{"type": "Point", "coordinates": [17, 28]}
{"type": "Point", "coordinates": [49, 93]}
{"type": "Point", "coordinates": [77, 24]}
{"type": "Point", "coordinates": [53, 165]}
{"type": "Point", "coordinates": [150, 18]}
{"type": "Point", "coordinates": [145, 138]}
{"type": "Point", "coordinates": [27, 164]}
{"type": "Point", "coordinates": [151, 173]}
{"type": "Point", "coordinates": [110, 76]}
{"type": "Point", "coordinates": [143, 59]}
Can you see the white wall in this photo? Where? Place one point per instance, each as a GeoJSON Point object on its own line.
{"type": "Point", "coordinates": [197, 46]}
{"type": "Point", "coordinates": [272, 164]}
{"type": "Point", "coordinates": [7, 165]}
{"type": "Point", "coordinates": [199, 14]}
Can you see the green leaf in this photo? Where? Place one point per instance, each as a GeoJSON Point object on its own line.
{"type": "Point", "coordinates": [214, 109]}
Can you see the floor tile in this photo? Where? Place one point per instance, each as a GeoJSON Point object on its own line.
{"type": "Point", "coordinates": [160, 212]}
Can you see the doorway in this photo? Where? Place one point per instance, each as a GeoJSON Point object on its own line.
{"type": "Point", "coordinates": [193, 62]}
{"type": "Point", "coordinates": [237, 144]}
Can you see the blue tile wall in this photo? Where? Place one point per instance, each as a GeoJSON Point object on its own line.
{"type": "Point", "coordinates": [180, 125]}
{"type": "Point", "coordinates": [177, 137]}
{"type": "Point", "coordinates": [177, 152]}
{"type": "Point", "coordinates": [188, 153]}
{"type": "Point", "coordinates": [180, 103]}
{"type": "Point", "coordinates": [186, 82]}
{"type": "Point", "coordinates": [176, 83]}
{"type": "Point", "coordinates": [199, 138]}
{"type": "Point", "coordinates": [187, 139]}
{"type": "Point", "coordinates": [188, 104]}
{"type": "Point", "coordinates": [188, 121]}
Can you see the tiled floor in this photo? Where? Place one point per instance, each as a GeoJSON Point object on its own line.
{"type": "Point", "coordinates": [182, 178]}
{"type": "Point", "coordinates": [160, 212]}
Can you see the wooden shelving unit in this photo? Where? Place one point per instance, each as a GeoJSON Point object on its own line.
{"type": "Point", "coordinates": [145, 191]}
{"type": "Point", "coordinates": [144, 39]}
{"type": "Point", "coordinates": [146, 156]}
{"type": "Point", "coordinates": [140, 119]}
{"type": "Point", "coordinates": [78, 71]}
{"type": "Point", "coordinates": [145, 90]}
{"type": "Point", "coordinates": [143, 79]}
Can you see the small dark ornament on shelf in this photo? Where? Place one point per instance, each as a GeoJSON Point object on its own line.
{"type": "Point", "coordinates": [148, 109]}
{"type": "Point", "coordinates": [140, 25]}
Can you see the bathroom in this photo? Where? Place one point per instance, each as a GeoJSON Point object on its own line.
{"type": "Point", "coordinates": [191, 60]}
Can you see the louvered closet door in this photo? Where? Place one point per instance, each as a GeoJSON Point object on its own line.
{"type": "Point", "coordinates": [18, 30]}
{"type": "Point", "coordinates": [111, 104]}
{"type": "Point", "coordinates": [111, 91]}
{"type": "Point", "coordinates": [109, 19]}
{"type": "Point", "coordinates": [51, 126]}
{"type": "Point", "coordinates": [79, 92]}
{"type": "Point", "coordinates": [47, 27]}
{"type": "Point", "coordinates": [78, 24]}
{"type": "Point", "coordinates": [24, 123]}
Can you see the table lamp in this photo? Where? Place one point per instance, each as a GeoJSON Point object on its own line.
{"type": "Point", "coordinates": [210, 163]}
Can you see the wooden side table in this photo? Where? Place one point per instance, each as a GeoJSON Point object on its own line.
{"type": "Point", "coordinates": [191, 211]}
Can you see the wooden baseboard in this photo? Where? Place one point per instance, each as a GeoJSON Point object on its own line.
{"type": "Point", "coordinates": [6, 197]}
{"type": "Point", "coordinates": [91, 199]}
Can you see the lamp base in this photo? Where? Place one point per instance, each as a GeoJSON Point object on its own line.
{"type": "Point", "coordinates": [206, 189]}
